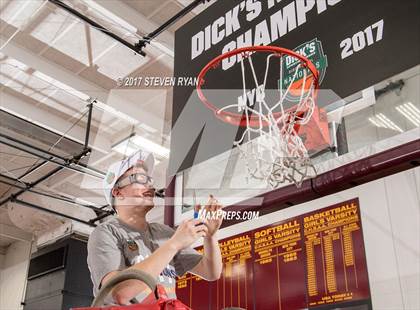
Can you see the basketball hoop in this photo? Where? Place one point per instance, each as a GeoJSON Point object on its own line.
{"type": "Point", "coordinates": [270, 144]}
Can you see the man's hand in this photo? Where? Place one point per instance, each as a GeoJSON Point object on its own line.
{"type": "Point", "coordinates": [210, 267]}
{"type": "Point", "coordinates": [187, 233]}
{"type": "Point", "coordinates": [213, 224]}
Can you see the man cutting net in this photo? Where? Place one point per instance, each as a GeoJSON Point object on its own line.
{"type": "Point", "coordinates": [128, 241]}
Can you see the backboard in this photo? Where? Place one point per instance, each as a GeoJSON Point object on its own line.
{"type": "Point", "coordinates": [356, 55]}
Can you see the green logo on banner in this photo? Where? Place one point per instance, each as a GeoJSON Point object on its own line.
{"type": "Point", "coordinates": [314, 52]}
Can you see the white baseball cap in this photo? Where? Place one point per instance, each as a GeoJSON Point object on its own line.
{"type": "Point", "coordinates": [116, 170]}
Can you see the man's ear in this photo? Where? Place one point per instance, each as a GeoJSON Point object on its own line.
{"type": "Point", "coordinates": [115, 192]}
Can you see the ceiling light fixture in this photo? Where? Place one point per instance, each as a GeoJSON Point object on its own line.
{"type": "Point", "coordinates": [60, 85]}
{"type": "Point", "coordinates": [381, 121]}
{"type": "Point", "coordinates": [410, 112]}
{"type": "Point", "coordinates": [134, 142]}
{"type": "Point", "coordinates": [15, 63]}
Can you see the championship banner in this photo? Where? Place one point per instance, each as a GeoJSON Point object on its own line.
{"type": "Point", "coordinates": [315, 260]}
{"type": "Point", "coordinates": [353, 44]}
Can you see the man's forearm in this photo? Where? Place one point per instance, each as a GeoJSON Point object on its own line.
{"type": "Point", "coordinates": [153, 265]}
{"type": "Point", "coordinates": [212, 258]}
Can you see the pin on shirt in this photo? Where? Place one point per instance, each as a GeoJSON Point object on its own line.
{"type": "Point", "coordinates": [132, 245]}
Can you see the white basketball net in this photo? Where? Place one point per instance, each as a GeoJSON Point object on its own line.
{"type": "Point", "coordinates": [273, 151]}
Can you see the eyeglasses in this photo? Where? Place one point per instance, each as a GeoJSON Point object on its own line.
{"type": "Point", "coordinates": [139, 178]}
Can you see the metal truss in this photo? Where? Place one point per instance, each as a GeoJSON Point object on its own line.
{"type": "Point", "coordinates": [72, 163]}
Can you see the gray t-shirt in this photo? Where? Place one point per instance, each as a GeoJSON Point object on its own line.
{"type": "Point", "coordinates": [114, 245]}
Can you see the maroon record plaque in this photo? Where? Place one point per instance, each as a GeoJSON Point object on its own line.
{"type": "Point", "coordinates": [315, 260]}
{"type": "Point", "coordinates": [335, 255]}
{"type": "Point", "coordinates": [278, 274]}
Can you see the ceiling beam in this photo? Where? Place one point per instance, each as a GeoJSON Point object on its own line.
{"type": "Point", "coordinates": [14, 233]}
{"type": "Point", "coordinates": [114, 100]}
{"type": "Point", "coordinates": [53, 70]}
